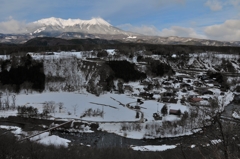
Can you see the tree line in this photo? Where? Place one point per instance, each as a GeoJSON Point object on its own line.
{"type": "Point", "coordinates": [55, 44]}
{"type": "Point", "coordinates": [22, 73]}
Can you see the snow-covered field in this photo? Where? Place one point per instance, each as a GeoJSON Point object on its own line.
{"type": "Point", "coordinates": [74, 105]}
{"type": "Point", "coordinates": [114, 107]}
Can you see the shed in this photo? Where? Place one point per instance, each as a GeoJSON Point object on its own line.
{"type": "Point", "coordinates": [175, 112]}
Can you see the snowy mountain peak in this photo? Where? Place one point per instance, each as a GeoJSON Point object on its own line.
{"type": "Point", "coordinates": [73, 28]}
{"type": "Point", "coordinates": [71, 22]}
{"type": "Point", "coordinates": [98, 21]}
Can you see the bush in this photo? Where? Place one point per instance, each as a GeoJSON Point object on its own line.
{"type": "Point", "coordinates": [49, 106]}
{"type": "Point", "coordinates": [90, 112]}
{"type": "Point", "coordinates": [24, 111]}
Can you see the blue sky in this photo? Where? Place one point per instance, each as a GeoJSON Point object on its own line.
{"type": "Point", "coordinates": [211, 19]}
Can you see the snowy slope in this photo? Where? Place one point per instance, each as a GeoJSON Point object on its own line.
{"type": "Point", "coordinates": [92, 26]}
{"type": "Point", "coordinates": [71, 22]}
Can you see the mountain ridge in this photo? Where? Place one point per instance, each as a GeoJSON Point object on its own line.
{"type": "Point", "coordinates": [92, 26]}
{"type": "Point", "coordinates": [71, 22]}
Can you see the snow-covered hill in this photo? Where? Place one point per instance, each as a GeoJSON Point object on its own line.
{"type": "Point", "coordinates": [92, 26]}
{"type": "Point", "coordinates": [71, 22]}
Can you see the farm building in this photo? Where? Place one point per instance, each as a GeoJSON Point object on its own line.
{"type": "Point", "coordinates": [175, 112]}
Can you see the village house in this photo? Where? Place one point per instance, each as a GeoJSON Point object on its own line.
{"type": "Point", "coordinates": [48, 53]}
{"type": "Point", "coordinates": [216, 84]}
{"type": "Point", "coordinates": [93, 59]}
{"type": "Point", "coordinates": [156, 116]}
{"type": "Point", "coordinates": [146, 95]}
{"type": "Point", "coordinates": [166, 83]}
{"type": "Point", "coordinates": [204, 91]}
{"type": "Point", "coordinates": [169, 100]}
{"type": "Point", "coordinates": [34, 54]}
{"type": "Point", "coordinates": [194, 99]}
{"type": "Point", "coordinates": [175, 81]}
{"type": "Point", "coordinates": [222, 93]}
{"type": "Point", "coordinates": [197, 83]}
{"type": "Point", "coordinates": [180, 79]}
{"type": "Point", "coordinates": [223, 89]}
{"type": "Point", "coordinates": [188, 81]}
{"type": "Point", "coordinates": [155, 82]}
{"type": "Point", "coordinates": [184, 90]}
{"type": "Point", "coordinates": [156, 92]}
{"type": "Point", "coordinates": [168, 97]}
{"type": "Point", "coordinates": [145, 83]}
{"type": "Point", "coordinates": [90, 64]}
{"type": "Point", "coordinates": [189, 88]}
{"type": "Point", "coordinates": [175, 112]}
{"type": "Point", "coordinates": [203, 77]}
{"type": "Point", "coordinates": [168, 94]}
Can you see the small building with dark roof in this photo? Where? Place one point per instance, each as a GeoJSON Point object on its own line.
{"type": "Point", "coordinates": [175, 112]}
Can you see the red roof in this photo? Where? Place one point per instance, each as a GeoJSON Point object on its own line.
{"type": "Point", "coordinates": [195, 99]}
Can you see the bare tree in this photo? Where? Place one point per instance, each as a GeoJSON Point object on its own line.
{"type": "Point", "coordinates": [6, 101]}
{"type": "Point", "coordinates": [224, 131]}
{"type": "Point", "coordinates": [49, 107]}
{"type": "Point", "coordinates": [75, 108]}
{"type": "Point", "coordinates": [60, 106]}
{"type": "Point", "coordinates": [52, 106]}
{"type": "Point", "coordinates": [1, 106]}
{"type": "Point", "coordinates": [13, 101]}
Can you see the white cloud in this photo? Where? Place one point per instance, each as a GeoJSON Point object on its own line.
{"type": "Point", "coordinates": [144, 29]}
{"type": "Point", "coordinates": [229, 30]}
{"type": "Point", "coordinates": [172, 31]}
{"type": "Point", "coordinates": [235, 2]}
{"type": "Point", "coordinates": [214, 5]}
{"type": "Point", "coordinates": [13, 26]}
{"type": "Point", "coordinates": [181, 32]}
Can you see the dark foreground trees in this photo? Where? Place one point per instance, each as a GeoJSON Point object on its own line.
{"type": "Point", "coordinates": [11, 148]}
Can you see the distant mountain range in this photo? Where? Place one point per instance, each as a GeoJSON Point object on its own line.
{"type": "Point", "coordinates": [97, 28]}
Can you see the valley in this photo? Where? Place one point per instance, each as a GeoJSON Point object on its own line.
{"type": "Point", "coordinates": [143, 98]}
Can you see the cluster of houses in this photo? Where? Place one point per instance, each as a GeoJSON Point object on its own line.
{"type": "Point", "coordinates": [181, 88]}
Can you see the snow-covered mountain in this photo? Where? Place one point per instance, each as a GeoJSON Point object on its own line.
{"type": "Point", "coordinates": [93, 26]}
{"type": "Point", "coordinates": [71, 22]}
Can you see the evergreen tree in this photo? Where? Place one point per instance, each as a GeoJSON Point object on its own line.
{"type": "Point", "coordinates": [164, 110]}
